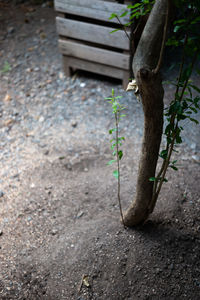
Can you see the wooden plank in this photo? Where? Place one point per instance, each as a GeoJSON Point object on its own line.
{"type": "Point", "coordinates": [126, 78]}
{"type": "Point", "coordinates": [92, 33]}
{"type": "Point", "coordinates": [94, 54]}
{"type": "Point", "coordinates": [96, 9]}
{"type": "Point", "coordinates": [80, 64]}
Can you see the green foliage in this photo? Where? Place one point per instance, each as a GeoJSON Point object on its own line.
{"type": "Point", "coordinates": [116, 141]}
{"type": "Point", "coordinates": [186, 102]}
{"type": "Point", "coordinates": [135, 11]}
{"type": "Point", "coordinates": [116, 174]}
{"type": "Point", "coordinates": [187, 23]}
{"type": "Point", "coordinates": [141, 8]}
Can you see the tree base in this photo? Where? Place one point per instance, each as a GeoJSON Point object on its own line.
{"type": "Point", "coordinates": [134, 217]}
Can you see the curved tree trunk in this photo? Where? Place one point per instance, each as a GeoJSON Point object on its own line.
{"type": "Point", "coordinates": [150, 87]}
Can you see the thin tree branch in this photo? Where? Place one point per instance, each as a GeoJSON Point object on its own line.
{"type": "Point", "coordinates": [164, 170]}
{"type": "Point", "coordinates": [156, 70]}
{"type": "Point", "coordinates": [118, 167]}
{"type": "Point", "coordinates": [182, 64]}
{"type": "Point", "coordinates": [186, 82]}
{"type": "Point", "coordinates": [123, 27]}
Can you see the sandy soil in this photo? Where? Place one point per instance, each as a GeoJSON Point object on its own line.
{"type": "Point", "coordinates": [60, 235]}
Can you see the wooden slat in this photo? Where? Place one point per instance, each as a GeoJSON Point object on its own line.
{"type": "Point", "coordinates": [94, 54]}
{"type": "Point", "coordinates": [92, 33]}
{"type": "Point", "coordinates": [96, 9]}
{"type": "Point", "coordinates": [80, 64]}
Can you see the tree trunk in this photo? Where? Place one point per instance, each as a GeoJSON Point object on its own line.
{"type": "Point", "coordinates": [151, 91]}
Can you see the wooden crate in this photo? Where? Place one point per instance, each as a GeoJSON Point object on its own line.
{"type": "Point", "coordinates": [85, 41]}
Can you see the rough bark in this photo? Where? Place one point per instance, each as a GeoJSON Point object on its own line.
{"type": "Point", "coordinates": [151, 91]}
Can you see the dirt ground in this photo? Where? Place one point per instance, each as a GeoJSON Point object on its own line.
{"type": "Point", "coordinates": [60, 235]}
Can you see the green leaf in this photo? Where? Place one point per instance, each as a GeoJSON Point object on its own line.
{"type": "Point", "coordinates": [194, 110]}
{"type": "Point", "coordinates": [124, 14]}
{"type": "Point", "coordinates": [182, 117]}
{"type": "Point", "coordinates": [196, 101]}
{"type": "Point", "coordinates": [119, 143]}
{"type": "Point", "coordinates": [178, 139]}
{"type": "Point", "coordinates": [134, 6]}
{"type": "Point", "coordinates": [152, 179]}
{"type": "Point", "coordinates": [163, 154]}
{"type": "Point", "coordinates": [172, 42]}
{"type": "Point", "coordinates": [136, 14]}
{"type": "Point", "coordinates": [176, 28]}
{"type": "Point", "coordinates": [112, 16]}
{"type": "Point", "coordinates": [113, 146]}
{"type": "Point", "coordinates": [194, 120]}
{"type": "Point", "coordinates": [111, 162]}
{"type": "Point", "coordinates": [196, 20]}
{"type": "Point", "coordinates": [115, 30]}
{"type": "Point", "coordinates": [127, 24]}
{"type": "Point", "coordinates": [112, 130]}
{"type": "Point", "coordinates": [195, 88]}
{"type": "Point", "coordinates": [180, 21]}
{"type": "Point", "coordinates": [116, 174]}
{"type": "Point", "coordinates": [168, 128]}
{"type": "Point", "coordinates": [169, 140]}
{"type": "Point", "coordinates": [114, 106]}
{"type": "Point", "coordinates": [120, 154]}
{"type": "Point", "coordinates": [174, 168]}
{"type": "Point", "coordinates": [174, 161]}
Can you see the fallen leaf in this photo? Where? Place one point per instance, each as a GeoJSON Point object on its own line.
{"type": "Point", "coordinates": [7, 98]}
{"type": "Point", "coordinates": [62, 157]}
{"type": "Point", "coordinates": [42, 35]}
{"type": "Point", "coordinates": [61, 75]}
{"type": "Point", "coordinates": [30, 49]}
{"type": "Point", "coordinates": [86, 280]}
{"type": "Point", "coordinates": [8, 122]}
{"type": "Point", "coordinates": [83, 98]}
{"type": "Point", "coordinates": [30, 9]}
{"type": "Point", "coordinates": [49, 81]}
{"type": "Point", "coordinates": [31, 133]}
{"type": "Point", "coordinates": [29, 70]}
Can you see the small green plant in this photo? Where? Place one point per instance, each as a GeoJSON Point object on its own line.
{"type": "Point", "coordinates": [6, 67]}
{"type": "Point", "coordinates": [116, 141]}
{"type": "Point", "coordinates": [185, 104]}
